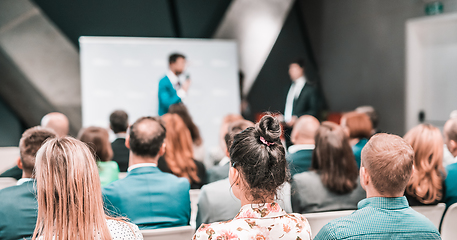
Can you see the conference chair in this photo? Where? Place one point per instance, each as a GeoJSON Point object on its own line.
{"type": "Point", "coordinates": [7, 182]}
{"type": "Point", "coordinates": [433, 213]}
{"type": "Point", "coordinates": [318, 220]}
{"type": "Point", "coordinates": [175, 233]}
{"type": "Point", "coordinates": [8, 158]}
{"type": "Point", "coordinates": [448, 227]}
{"type": "Point", "coordinates": [194, 195]}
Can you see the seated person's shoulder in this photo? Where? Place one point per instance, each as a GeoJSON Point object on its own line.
{"type": "Point", "coordinates": [123, 230]}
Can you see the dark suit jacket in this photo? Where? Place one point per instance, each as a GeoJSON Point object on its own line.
{"type": "Point", "coordinates": [300, 161]}
{"type": "Point", "coordinates": [14, 172]}
{"type": "Point", "coordinates": [120, 154]}
{"type": "Point", "coordinates": [150, 198]}
{"type": "Point", "coordinates": [307, 102]}
{"type": "Point", "coordinates": [18, 211]}
{"type": "Point", "coordinates": [201, 172]}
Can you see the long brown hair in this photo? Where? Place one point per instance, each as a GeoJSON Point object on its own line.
{"type": "Point", "coordinates": [333, 159]}
{"type": "Point", "coordinates": [178, 150]}
{"type": "Point", "coordinates": [70, 204]}
{"type": "Point", "coordinates": [98, 139]}
{"type": "Point", "coordinates": [181, 110]}
{"type": "Point", "coordinates": [426, 181]}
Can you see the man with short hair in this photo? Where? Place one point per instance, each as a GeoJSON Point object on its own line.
{"type": "Point", "coordinates": [300, 154]}
{"type": "Point", "coordinates": [147, 196]}
{"type": "Point", "coordinates": [119, 122]}
{"type": "Point", "coordinates": [172, 88]}
{"type": "Point", "coordinates": [387, 165]}
{"type": "Point", "coordinates": [450, 139]}
{"type": "Point", "coordinates": [18, 205]}
{"type": "Point", "coordinates": [55, 121]}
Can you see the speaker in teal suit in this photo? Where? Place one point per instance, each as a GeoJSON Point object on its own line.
{"type": "Point", "coordinates": [167, 95]}
{"type": "Point", "coordinates": [150, 198]}
{"type": "Point", "coordinates": [18, 211]}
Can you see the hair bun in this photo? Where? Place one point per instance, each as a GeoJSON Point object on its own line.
{"type": "Point", "coordinates": [269, 128]}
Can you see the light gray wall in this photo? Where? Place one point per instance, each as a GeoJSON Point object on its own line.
{"type": "Point", "coordinates": [360, 50]}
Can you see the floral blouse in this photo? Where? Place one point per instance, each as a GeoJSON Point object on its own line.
{"type": "Point", "coordinates": [258, 222]}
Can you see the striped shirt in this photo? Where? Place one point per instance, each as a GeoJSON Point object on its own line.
{"type": "Point", "coordinates": [381, 218]}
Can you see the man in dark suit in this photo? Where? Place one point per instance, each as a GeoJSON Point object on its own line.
{"type": "Point", "coordinates": [172, 89]}
{"type": "Point", "coordinates": [147, 196]}
{"type": "Point", "coordinates": [300, 154]}
{"type": "Point", "coordinates": [302, 98]}
{"type": "Point", "coordinates": [119, 122]}
{"type": "Point", "coordinates": [18, 205]}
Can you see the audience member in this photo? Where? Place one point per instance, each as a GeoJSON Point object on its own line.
{"type": "Point", "coordinates": [259, 168]}
{"type": "Point", "coordinates": [18, 205]}
{"type": "Point", "coordinates": [178, 158]}
{"type": "Point", "coordinates": [55, 121]}
{"type": "Point", "coordinates": [217, 155]}
{"type": "Point", "coordinates": [97, 139]}
{"type": "Point", "coordinates": [216, 202]}
{"type": "Point", "coordinates": [332, 184]}
{"type": "Point", "coordinates": [450, 138]}
{"type": "Point", "coordinates": [70, 203]}
{"type": "Point", "coordinates": [119, 122]}
{"type": "Point", "coordinates": [372, 114]}
{"type": "Point", "coordinates": [426, 186]}
{"type": "Point", "coordinates": [198, 147]}
{"type": "Point", "coordinates": [359, 128]}
{"type": "Point", "coordinates": [299, 154]}
{"type": "Point", "coordinates": [221, 170]}
{"type": "Point", "coordinates": [387, 165]}
{"type": "Point", "coordinates": [148, 196]}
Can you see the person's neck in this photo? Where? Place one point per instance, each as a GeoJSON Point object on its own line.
{"type": "Point", "coordinates": [371, 192]}
{"type": "Point", "coordinates": [305, 141]}
{"type": "Point", "coordinates": [245, 201]}
{"type": "Point", "coordinates": [135, 159]}
{"type": "Point", "coordinates": [26, 174]}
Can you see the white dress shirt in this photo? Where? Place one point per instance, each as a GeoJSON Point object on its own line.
{"type": "Point", "coordinates": [141, 165]}
{"type": "Point", "coordinates": [294, 92]}
{"type": "Point", "coordinates": [174, 81]}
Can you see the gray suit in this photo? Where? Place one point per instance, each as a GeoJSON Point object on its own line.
{"type": "Point", "coordinates": [217, 173]}
{"type": "Point", "coordinates": [310, 195]}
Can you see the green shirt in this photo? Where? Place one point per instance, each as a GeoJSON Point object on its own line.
{"type": "Point", "coordinates": [381, 218]}
{"type": "Point", "coordinates": [108, 171]}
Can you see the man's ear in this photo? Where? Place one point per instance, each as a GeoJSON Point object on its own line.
{"type": "Point", "coordinates": [162, 149]}
{"type": "Point", "coordinates": [127, 141]}
{"type": "Point", "coordinates": [364, 177]}
{"type": "Point", "coordinates": [19, 163]}
{"type": "Point", "coordinates": [452, 146]}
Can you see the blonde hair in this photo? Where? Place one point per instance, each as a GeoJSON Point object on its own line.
{"type": "Point", "coordinates": [426, 181]}
{"type": "Point", "coordinates": [70, 204]}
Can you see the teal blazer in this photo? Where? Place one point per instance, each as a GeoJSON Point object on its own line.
{"type": "Point", "coordinates": [18, 211]}
{"type": "Point", "coordinates": [149, 198]}
{"type": "Point", "coordinates": [300, 161]}
{"type": "Point", "coordinates": [167, 95]}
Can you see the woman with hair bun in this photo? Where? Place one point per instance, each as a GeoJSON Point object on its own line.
{"type": "Point", "coordinates": [258, 169]}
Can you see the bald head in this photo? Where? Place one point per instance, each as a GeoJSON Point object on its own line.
{"type": "Point", "coordinates": [57, 122]}
{"type": "Point", "coordinates": [388, 161]}
{"type": "Point", "coordinates": [304, 130]}
{"type": "Point", "coordinates": [146, 137]}
{"type": "Point", "coordinates": [450, 135]}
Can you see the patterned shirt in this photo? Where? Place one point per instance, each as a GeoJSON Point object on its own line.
{"type": "Point", "coordinates": [381, 218]}
{"type": "Point", "coordinates": [258, 221]}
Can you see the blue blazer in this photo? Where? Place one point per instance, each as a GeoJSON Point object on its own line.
{"type": "Point", "coordinates": [149, 198]}
{"type": "Point", "coordinates": [167, 95]}
{"type": "Point", "coordinates": [18, 211]}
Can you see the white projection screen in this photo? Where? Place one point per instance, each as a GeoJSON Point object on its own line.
{"type": "Point", "coordinates": [124, 72]}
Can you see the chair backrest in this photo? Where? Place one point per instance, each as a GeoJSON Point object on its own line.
{"type": "Point", "coordinates": [8, 157]}
{"type": "Point", "coordinates": [318, 220]}
{"type": "Point", "coordinates": [194, 195]}
{"type": "Point", "coordinates": [175, 233]}
{"type": "Point", "coordinates": [433, 213]}
{"type": "Point", "coordinates": [7, 182]}
{"type": "Point", "coordinates": [448, 229]}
